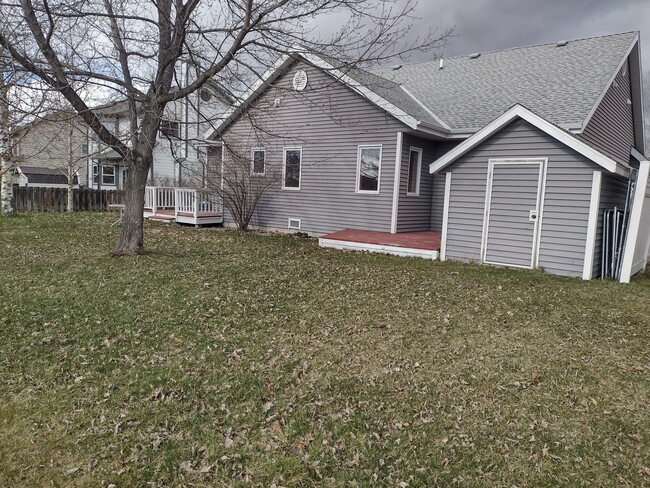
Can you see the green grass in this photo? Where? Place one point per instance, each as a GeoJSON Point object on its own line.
{"type": "Point", "coordinates": [221, 359]}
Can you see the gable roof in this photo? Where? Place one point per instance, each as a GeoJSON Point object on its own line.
{"type": "Point", "coordinates": [562, 83]}
{"type": "Point", "coordinates": [385, 94]}
{"type": "Point", "coordinates": [520, 112]}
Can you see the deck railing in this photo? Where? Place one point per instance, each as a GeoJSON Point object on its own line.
{"type": "Point", "coordinates": [196, 202]}
{"type": "Point", "coordinates": [159, 198]}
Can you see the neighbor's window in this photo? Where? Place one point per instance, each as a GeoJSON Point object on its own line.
{"type": "Point", "coordinates": [108, 175]}
{"type": "Point", "coordinates": [259, 161]}
{"type": "Point", "coordinates": [95, 172]}
{"type": "Point", "coordinates": [170, 128]}
{"type": "Point", "coordinates": [368, 169]}
{"type": "Point", "coordinates": [292, 162]}
{"type": "Point", "coordinates": [415, 163]}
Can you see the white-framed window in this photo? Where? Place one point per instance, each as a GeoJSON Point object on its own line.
{"type": "Point", "coordinates": [108, 175]}
{"type": "Point", "coordinates": [95, 173]}
{"type": "Point", "coordinates": [258, 161]}
{"type": "Point", "coordinates": [368, 169]}
{"type": "Point", "coordinates": [170, 128]}
{"type": "Point", "coordinates": [292, 168]}
{"type": "Point", "coordinates": [415, 169]}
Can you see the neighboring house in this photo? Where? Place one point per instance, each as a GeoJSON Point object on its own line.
{"type": "Point", "coordinates": [509, 157]}
{"type": "Point", "coordinates": [180, 153]}
{"type": "Point", "coordinates": [51, 148]}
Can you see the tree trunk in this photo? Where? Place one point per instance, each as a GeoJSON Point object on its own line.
{"type": "Point", "coordinates": [131, 241]}
{"type": "Point", "coordinates": [6, 190]}
{"type": "Point", "coordinates": [6, 168]}
{"type": "Point", "coordinates": [71, 167]}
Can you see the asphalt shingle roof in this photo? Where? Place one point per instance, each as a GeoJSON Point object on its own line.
{"type": "Point", "coordinates": [561, 84]}
{"type": "Point", "coordinates": [387, 89]}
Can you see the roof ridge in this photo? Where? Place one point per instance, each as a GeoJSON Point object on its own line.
{"type": "Point", "coordinates": [494, 51]}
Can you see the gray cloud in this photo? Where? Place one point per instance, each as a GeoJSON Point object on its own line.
{"type": "Point", "coordinates": [488, 25]}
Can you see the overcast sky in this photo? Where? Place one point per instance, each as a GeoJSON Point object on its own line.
{"type": "Point", "coordinates": [488, 25]}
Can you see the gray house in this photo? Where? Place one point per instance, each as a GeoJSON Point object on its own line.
{"type": "Point", "coordinates": [516, 158]}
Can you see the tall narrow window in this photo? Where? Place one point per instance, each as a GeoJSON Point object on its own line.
{"type": "Point", "coordinates": [415, 164]}
{"type": "Point", "coordinates": [259, 162]}
{"type": "Point", "coordinates": [292, 163]}
{"type": "Point", "coordinates": [368, 169]}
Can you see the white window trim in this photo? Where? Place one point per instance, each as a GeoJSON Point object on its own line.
{"type": "Point", "coordinates": [416, 193]}
{"type": "Point", "coordinates": [253, 151]}
{"type": "Point", "coordinates": [284, 169]}
{"type": "Point", "coordinates": [381, 150]}
{"type": "Point", "coordinates": [114, 175]}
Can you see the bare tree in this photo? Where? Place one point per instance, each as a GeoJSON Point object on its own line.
{"type": "Point", "coordinates": [134, 50]}
{"type": "Point", "coordinates": [6, 200]}
{"type": "Point", "coordinates": [241, 179]}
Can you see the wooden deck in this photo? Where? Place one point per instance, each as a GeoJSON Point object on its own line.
{"type": "Point", "coordinates": [182, 205]}
{"type": "Point", "coordinates": [414, 244]}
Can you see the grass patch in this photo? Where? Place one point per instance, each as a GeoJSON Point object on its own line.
{"type": "Point", "coordinates": [221, 359]}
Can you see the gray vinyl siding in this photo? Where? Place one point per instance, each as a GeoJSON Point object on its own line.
{"type": "Point", "coordinates": [414, 212]}
{"type": "Point", "coordinates": [439, 181]}
{"type": "Point", "coordinates": [437, 202]}
{"type": "Point", "coordinates": [611, 128]}
{"type": "Point", "coordinates": [613, 192]}
{"type": "Point", "coordinates": [329, 121]}
{"type": "Point", "coordinates": [566, 205]}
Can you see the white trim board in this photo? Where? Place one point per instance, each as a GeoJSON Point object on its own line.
{"type": "Point", "coordinates": [592, 227]}
{"type": "Point", "coordinates": [396, 182]}
{"type": "Point", "coordinates": [445, 218]}
{"type": "Point", "coordinates": [519, 111]}
{"type": "Point", "coordinates": [635, 223]}
{"type": "Point", "coordinates": [377, 248]}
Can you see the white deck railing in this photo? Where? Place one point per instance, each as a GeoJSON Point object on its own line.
{"type": "Point", "coordinates": [196, 202]}
{"type": "Point", "coordinates": [159, 198]}
{"type": "Point", "coordinates": [185, 201]}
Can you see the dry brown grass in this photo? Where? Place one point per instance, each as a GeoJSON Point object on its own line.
{"type": "Point", "coordinates": [222, 359]}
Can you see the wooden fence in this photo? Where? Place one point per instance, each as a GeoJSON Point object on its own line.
{"type": "Point", "coordinates": [30, 199]}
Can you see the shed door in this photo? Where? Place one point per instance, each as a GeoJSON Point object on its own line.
{"type": "Point", "coordinates": [513, 213]}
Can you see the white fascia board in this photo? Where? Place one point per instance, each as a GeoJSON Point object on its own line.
{"type": "Point", "coordinates": [637, 155]}
{"type": "Point", "coordinates": [519, 111]}
{"type": "Point", "coordinates": [230, 114]}
{"type": "Point", "coordinates": [364, 91]}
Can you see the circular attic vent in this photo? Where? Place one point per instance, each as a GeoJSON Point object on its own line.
{"type": "Point", "coordinates": [300, 80]}
{"type": "Point", "coordinates": [206, 95]}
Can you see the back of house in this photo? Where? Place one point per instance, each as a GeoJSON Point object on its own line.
{"type": "Point", "coordinates": [526, 157]}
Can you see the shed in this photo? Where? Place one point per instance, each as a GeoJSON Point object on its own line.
{"type": "Point", "coordinates": [38, 176]}
{"type": "Point", "coordinates": [524, 193]}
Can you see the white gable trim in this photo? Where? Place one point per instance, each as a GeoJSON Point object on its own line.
{"type": "Point", "coordinates": [362, 90]}
{"type": "Point", "coordinates": [519, 111]}
{"type": "Point", "coordinates": [231, 113]}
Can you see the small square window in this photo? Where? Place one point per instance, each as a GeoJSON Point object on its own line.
{"type": "Point", "coordinates": [258, 162]}
{"type": "Point", "coordinates": [170, 128]}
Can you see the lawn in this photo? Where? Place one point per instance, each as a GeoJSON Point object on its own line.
{"type": "Point", "coordinates": [222, 359]}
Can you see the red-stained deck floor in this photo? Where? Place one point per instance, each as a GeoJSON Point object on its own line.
{"type": "Point", "coordinates": [429, 241]}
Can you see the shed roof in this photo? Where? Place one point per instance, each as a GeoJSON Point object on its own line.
{"type": "Point", "coordinates": [561, 83]}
